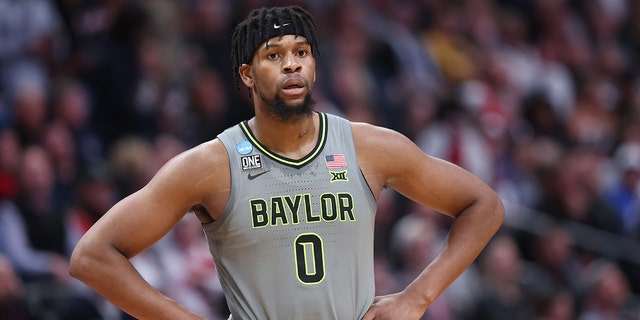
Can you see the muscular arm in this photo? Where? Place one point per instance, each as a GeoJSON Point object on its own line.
{"type": "Point", "coordinates": [388, 159]}
{"type": "Point", "coordinates": [198, 177]}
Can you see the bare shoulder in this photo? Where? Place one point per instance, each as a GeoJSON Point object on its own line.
{"type": "Point", "coordinates": [200, 162]}
{"type": "Point", "coordinates": [367, 135]}
{"type": "Point", "coordinates": [208, 155]}
{"type": "Point", "coordinates": [383, 153]}
{"type": "Point", "coordinates": [377, 145]}
{"type": "Point", "coordinates": [196, 178]}
{"type": "Point", "coordinates": [199, 177]}
{"type": "Point", "coordinates": [389, 159]}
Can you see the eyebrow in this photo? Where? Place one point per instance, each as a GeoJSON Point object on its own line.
{"type": "Point", "coordinates": [267, 45]}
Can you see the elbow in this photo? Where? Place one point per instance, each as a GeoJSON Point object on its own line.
{"type": "Point", "coordinates": [80, 263]}
{"type": "Point", "coordinates": [77, 264]}
{"type": "Point", "coordinates": [489, 212]}
{"type": "Point", "coordinates": [497, 212]}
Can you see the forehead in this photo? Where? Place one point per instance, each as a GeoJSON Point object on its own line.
{"type": "Point", "coordinates": [284, 40]}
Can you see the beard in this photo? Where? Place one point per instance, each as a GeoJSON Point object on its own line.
{"type": "Point", "coordinates": [280, 109]}
{"type": "Point", "coordinates": [283, 111]}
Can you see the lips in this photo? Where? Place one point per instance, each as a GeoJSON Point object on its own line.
{"type": "Point", "coordinates": [293, 87]}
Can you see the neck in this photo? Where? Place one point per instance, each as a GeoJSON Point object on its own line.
{"type": "Point", "coordinates": [293, 138]}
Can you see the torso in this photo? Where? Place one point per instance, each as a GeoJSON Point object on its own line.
{"type": "Point", "coordinates": [305, 225]}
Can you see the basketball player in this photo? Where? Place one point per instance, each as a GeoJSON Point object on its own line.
{"type": "Point", "coordinates": [287, 201]}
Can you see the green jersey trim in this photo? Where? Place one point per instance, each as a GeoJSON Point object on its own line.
{"type": "Point", "coordinates": [322, 139]}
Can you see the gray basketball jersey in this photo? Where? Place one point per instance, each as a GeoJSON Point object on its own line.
{"type": "Point", "coordinates": [295, 240]}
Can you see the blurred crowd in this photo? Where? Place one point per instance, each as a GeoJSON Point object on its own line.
{"type": "Point", "coordinates": [538, 98]}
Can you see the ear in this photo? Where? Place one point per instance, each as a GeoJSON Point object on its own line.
{"type": "Point", "coordinates": [314, 70]}
{"type": "Point", "coordinates": [246, 75]}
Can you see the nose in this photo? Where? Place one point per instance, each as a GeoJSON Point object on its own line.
{"type": "Point", "coordinates": [291, 64]}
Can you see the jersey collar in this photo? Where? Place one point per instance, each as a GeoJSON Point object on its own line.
{"type": "Point", "coordinates": [322, 139]}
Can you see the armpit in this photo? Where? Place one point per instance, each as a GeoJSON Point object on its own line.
{"type": "Point", "coordinates": [202, 214]}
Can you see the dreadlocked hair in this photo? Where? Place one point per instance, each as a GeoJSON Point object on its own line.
{"type": "Point", "coordinates": [256, 26]}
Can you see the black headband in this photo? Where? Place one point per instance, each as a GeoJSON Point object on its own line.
{"type": "Point", "coordinates": [275, 29]}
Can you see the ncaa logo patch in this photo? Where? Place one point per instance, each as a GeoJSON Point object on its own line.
{"type": "Point", "coordinates": [244, 147]}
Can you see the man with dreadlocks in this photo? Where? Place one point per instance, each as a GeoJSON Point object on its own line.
{"type": "Point", "coordinates": [287, 200]}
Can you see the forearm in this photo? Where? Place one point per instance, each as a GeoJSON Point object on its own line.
{"type": "Point", "coordinates": [113, 276]}
{"type": "Point", "coordinates": [468, 236]}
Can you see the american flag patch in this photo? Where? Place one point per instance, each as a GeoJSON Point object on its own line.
{"type": "Point", "coordinates": [335, 161]}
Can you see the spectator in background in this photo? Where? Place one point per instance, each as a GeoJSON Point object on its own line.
{"type": "Point", "coordinates": [541, 120]}
{"type": "Point", "coordinates": [420, 112]}
{"type": "Point", "coordinates": [629, 35]}
{"type": "Point", "coordinates": [517, 180]}
{"type": "Point", "coordinates": [208, 111]}
{"type": "Point", "coordinates": [572, 191]}
{"type": "Point", "coordinates": [30, 43]}
{"type": "Point", "coordinates": [553, 79]}
{"type": "Point", "coordinates": [116, 75]}
{"type": "Point", "coordinates": [446, 43]}
{"type": "Point", "coordinates": [557, 263]}
{"type": "Point", "coordinates": [208, 27]}
{"type": "Point", "coordinates": [33, 228]}
{"type": "Point", "coordinates": [515, 53]}
{"type": "Point", "coordinates": [559, 305]}
{"type": "Point", "coordinates": [624, 195]}
{"type": "Point", "coordinates": [398, 65]}
{"type": "Point", "coordinates": [11, 292]}
{"type": "Point", "coordinates": [607, 295]}
{"type": "Point", "coordinates": [505, 293]}
{"type": "Point", "coordinates": [72, 106]}
{"type": "Point", "coordinates": [592, 122]}
{"type": "Point", "coordinates": [352, 84]}
{"type": "Point", "coordinates": [10, 155]}
{"type": "Point", "coordinates": [11, 289]}
{"type": "Point", "coordinates": [457, 137]}
{"type": "Point", "coordinates": [416, 240]}
{"type": "Point", "coordinates": [59, 146]}
{"type": "Point", "coordinates": [34, 234]}
{"type": "Point", "coordinates": [191, 277]}
{"type": "Point", "coordinates": [29, 111]}
{"type": "Point", "coordinates": [129, 161]}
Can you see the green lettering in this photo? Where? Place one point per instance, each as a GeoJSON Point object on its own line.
{"type": "Point", "coordinates": [328, 207]}
{"type": "Point", "coordinates": [278, 211]}
{"type": "Point", "coordinates": [259, 215]}
{"type": "Point", "coordinates": [307, 209]}
{"type": "Point", "coordinates": [294, 206]}
{"type": "Point", "coordinates": [345, 202]}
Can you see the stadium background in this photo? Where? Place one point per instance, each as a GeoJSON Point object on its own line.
{"type": "Point", "coordinates": [539, 98]}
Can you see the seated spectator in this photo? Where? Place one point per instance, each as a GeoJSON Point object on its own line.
{"type": "Point", "coordinates": [608, 294]}
{"type": "Point", "coordinates": [11, 292]}
{"type": "Point", "coordinates": [506, 295]}
{"type": "Point", "coordinates": [10, 150]}
{"type": "Point", "coordinates": [33, 231]}
{"type": "Point", "coordinates": [624, 194]}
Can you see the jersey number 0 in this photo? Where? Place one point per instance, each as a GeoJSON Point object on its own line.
{"type": "Point", "coordinates": [309, 258]}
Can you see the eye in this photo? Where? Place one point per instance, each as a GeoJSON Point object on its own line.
{"type": "Point", "coordinates": [272, 55]}
{"type": "Point", "coordinates": [301, 52]}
